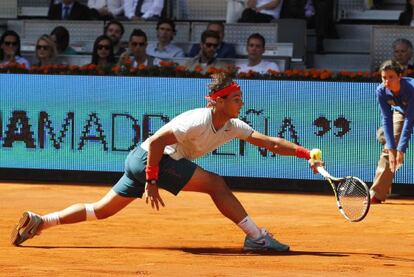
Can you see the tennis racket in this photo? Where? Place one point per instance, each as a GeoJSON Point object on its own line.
{"type": "Point", "coordinates": [352, 194]}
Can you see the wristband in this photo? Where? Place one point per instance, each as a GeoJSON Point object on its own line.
{"type": "Point", "coordinates": [303, 153]}
{"type": "Point", "coordinates": [151, 172]}
{"type": "Point", "coordinates": [152, 182]}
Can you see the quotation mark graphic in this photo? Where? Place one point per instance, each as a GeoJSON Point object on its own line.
{"type": "Point", "coordinates": [341, 124]}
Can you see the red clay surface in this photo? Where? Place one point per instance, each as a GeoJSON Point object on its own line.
{"type": "Point", "coordinates": [189, 237]}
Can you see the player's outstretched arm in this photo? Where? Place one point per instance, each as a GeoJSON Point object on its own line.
{"type": "Point", "coordinates": [283, 147]}
{"type": "Point", "coordinates": [276, 145]}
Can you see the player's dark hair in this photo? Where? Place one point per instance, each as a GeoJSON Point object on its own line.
{"type": "Point", "coordinates": [219, 81]}
{"type": "Point", "coordinates": [391, 65]}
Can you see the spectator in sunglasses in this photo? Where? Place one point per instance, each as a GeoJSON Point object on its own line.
{"type": "Point", "coordinates": [46, 51]}
{"type": "Point", "coordinates": [136, 55]}
{"type": "Point", "coordinates": [10, 50]}
{"type": "Point", "coordinates": [225, 50]}
{"type": "Point", "coordinates": [103, 53]}
{"type": "Point", "coordinates": [206, 58]}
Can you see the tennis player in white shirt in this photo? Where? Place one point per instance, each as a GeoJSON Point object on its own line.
{"type": "Point", "coordinates": [164, 160]}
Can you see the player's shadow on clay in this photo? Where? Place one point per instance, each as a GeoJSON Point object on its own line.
{"type": "Point", "coordinates": [241, 252]}
{"type": "Point", "coordinates": [214, 251]}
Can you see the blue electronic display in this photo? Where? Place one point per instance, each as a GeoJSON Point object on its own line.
{"type": "Point", "coordinates": [89, 123]}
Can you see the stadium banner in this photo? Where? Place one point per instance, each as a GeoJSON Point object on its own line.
{"type": "Point", "coordinates": [85, 123]}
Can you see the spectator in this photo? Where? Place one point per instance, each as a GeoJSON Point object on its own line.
{"type": "Point", "coordinates": [317, 13]}
{"type": "Point", "coordinates": [324, 23]}
{"type": "Point", "coordinates": [103, 53]}
{"type": "Point", "coordinates": [60, 35]}
{"type": "Point", "coordinates": [207, 57]}
{"type": "Point", "coordinates": [68, 10]}
{"type": "Point", "coordinates": [10, 50]}
{"type": "Point", "coordinates": [406, 16]}
{"type": "Point", "coordinates": [106, 9]}
{"type": "Point", "coordinates": [164, 48]}
{"type": "Point", "coordinates": [403, 52]}
{"type": "Point", "coordinates": [143, 9]}
{"type": "Point", "coordinates": [46, 51]}
{"type": "Point", "coordinates": [302, 9]}
{"type": "Point", "coordinates": [234, 10]}
{"type": "Point", "coordinates": [255, 48]}
{"type": "Point", "coordinates": [225, 50]}
{"type": "Point", "coordinates": [115, 30]}
{"type": "Point", "coordinates": [137, 48]}
{"type": "Point", "coordinates": [261, 11]}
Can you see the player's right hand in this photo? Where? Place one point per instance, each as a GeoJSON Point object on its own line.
{"type": "Point", "coordinates": [314, 164]}
{"type": "Point", "coordinates": [316, 160]}
{"type": "Point", "coordinates": [152, 194]}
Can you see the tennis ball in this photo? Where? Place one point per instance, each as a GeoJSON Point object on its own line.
{"type": "Point", "coordinates": [316, 154]}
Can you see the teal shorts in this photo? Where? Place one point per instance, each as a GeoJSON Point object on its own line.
{"type": "Point", "coordinates": [173, 174]}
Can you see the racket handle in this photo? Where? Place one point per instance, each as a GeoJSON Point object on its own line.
{"type": "Point", "coordinates": [316, 154]}
{"type": "Point", "coordinates": [324, 173]}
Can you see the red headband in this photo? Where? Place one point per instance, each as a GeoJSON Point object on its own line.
{"type": "Point", "coordinates": [225, 91]}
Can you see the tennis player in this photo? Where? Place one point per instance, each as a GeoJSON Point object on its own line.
{"type": "Point", "coordinates": [396, 101]}
{"type": "Point", "coordinates": [165, 161]}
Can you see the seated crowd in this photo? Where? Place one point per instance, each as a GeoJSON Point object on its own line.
{"type": "Point", "coordinates": [108, 49]}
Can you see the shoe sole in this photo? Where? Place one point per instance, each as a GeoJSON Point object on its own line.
{"type": "Point", "coordinates": [24, 220]}
{"type": "Point", "coordinates": [265, 250]}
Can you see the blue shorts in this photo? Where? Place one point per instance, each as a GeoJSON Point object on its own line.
{"type": "Point", "coordinates": [173, 174]}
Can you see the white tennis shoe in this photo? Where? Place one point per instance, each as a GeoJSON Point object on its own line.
{"type": "Point", "coordinates": [26, 228]}
{"type": "Point", "coordinates": [265, 243]}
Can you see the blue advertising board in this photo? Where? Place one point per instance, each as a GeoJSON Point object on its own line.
{"type": "Point", "coordinates": [89, 123]}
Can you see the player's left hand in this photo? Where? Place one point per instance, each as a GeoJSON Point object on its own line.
{"type": "Point", "coordinates": [152, 194]}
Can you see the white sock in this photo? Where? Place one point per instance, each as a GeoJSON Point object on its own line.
{"type": "Point", "coordinates": [250, 228]}
{"type": "Point", "coordinates": [50, 220]}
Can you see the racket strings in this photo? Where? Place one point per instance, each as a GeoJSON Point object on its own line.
{"type": "Point", "coordinates": [353, 197]}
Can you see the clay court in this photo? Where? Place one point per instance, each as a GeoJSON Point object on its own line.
{"type": "Point", "coordinates": [190, 238]}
